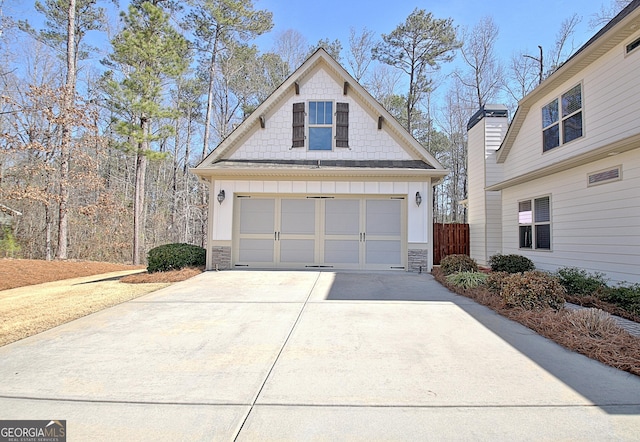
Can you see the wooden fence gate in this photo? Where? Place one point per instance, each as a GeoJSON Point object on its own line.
{"type": "Point", "coordinates": [450, 239]}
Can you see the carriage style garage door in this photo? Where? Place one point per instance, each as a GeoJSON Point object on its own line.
{"type": "Point", "coordinates": [320, 232]}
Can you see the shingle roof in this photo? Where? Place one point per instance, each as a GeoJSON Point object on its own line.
{"type": "Point", "coordinates": [316, 164]}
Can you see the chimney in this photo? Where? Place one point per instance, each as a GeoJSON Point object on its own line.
{"type": "Point", "coordinates": [486, 130]}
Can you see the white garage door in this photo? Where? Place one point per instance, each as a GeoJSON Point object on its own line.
{"type": "Point", "coordinates": [320, 232]}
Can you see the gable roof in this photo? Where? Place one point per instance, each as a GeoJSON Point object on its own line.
{"type": "Point", "coordinates": [218, 163]}
{"type": "Point", "coordinates": [622, 26]}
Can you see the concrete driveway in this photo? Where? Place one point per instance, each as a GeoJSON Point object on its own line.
{"type": "Point", "coordinates": [311, 356]}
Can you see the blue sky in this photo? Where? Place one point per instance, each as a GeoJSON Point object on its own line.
{"type": "Point", "coordinates": [523, 24]}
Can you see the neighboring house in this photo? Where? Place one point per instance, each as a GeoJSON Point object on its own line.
{"type": "Point", "coordinates": [561, 183]}
{"type": "Point", "coordinates": [320, 175]}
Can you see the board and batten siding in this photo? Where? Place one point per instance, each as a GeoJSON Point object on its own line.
{"type": "Point", "coordinates": [419, 228]}
{"type": "Point", "coordinates": [595, 228]}
{"type": "Point", "coordinates": [610, 97]}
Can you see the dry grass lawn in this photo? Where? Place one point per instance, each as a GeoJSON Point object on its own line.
{"type": "Point", "coordinates": [27, 309]}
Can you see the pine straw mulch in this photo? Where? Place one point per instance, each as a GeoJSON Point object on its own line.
{"type": "Point", "coordinates": [615, 348]}
{"type": "Point", "coordinates": [23, 272]}
{"type": "Point", "coordinates": [158, 277]}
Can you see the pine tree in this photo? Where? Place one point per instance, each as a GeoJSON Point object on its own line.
{"type": "Point", "coordinates": [149, 52]}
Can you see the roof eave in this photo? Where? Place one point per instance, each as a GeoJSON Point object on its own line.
{"type": "Point", "coordinates": [614, 148]}
{"type": "Point", "coordinates": [585, 56]}
{"type": "Point", "coordinates": [343, 174]}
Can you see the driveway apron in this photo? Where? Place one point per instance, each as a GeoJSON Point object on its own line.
{"type": "Point", "coordinates": [285, 355]}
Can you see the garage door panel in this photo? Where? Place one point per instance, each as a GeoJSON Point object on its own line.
{"type": "Point", "coordinates": [342, 217]}
{"type": "Point", "coordinates": [341, 232]}
{"type": "Point", "coordinates": [256, 250]}
{"type": "Point", "coordinates": [257, 216]}
{"type": "Point", "coordinates": [384, 252]}
{"type": "Point", "coordinates": [298, 217]}
{"type": "Point", "coordinates": [384, 217]}
{"type": "Point", "coordinates": [300, 251]}
{"type": "Point", "coordinates": [341, 252]}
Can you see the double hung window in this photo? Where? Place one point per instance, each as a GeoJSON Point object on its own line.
{"type": "Point", "coordinates": [320, 125]}
{"type": "Point", "coordinates": [534, 219]}
{"type": "Point", "coordinates": [562, 119]}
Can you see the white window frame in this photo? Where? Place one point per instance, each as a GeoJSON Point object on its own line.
{"type": "Point", "coordinates": [534, 224]}
{"type": "Point", "coordinates": [331, 126]}
{"type": "Point", "coordinates": [561, 118]}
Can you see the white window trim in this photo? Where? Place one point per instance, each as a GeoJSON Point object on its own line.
{"type": "Point", "coordinates": [533, 224]}
{"type": "Point", "coordinates": [332, 125]}
{"type": "Point", "coordinates": [561, 118]}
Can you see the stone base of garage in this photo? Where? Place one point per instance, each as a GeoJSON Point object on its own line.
{"type": "Point", "coordinates": [220, 258]}
{"type": "Point", "coordinates": [418, 259]}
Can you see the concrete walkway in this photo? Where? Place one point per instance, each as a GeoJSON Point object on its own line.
{"type": "Point", "coordinates": [311, 356]}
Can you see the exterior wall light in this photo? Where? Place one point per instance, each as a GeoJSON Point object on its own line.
{"type": "Point", "coordinates": [221, 196]}
{"type": "Point", "coordinates": [418, 199]}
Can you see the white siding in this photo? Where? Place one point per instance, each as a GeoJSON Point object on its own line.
{"type": "Point", "coordinates": [596, 228]}
{"type": "Point", "coordinates": [476, 195]}
{"type": "Point", "coordinates": [610, 96]}
{"type": "Point", "coordinates": [484, 214]}
{"type": "Point", "coordinates": [366, 142]}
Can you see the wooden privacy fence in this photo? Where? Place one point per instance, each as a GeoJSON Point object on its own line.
{"type": "Point", "coordinates": [450, 239]}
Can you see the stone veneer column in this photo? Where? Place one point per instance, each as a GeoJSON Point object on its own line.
{"type": "Point", "coordinates": [418, 260]}
{"type": "Point", "coordinates": [220, 258]}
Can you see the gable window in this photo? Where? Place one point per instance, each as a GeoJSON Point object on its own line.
{"type": "Point", "coordinates": [320, 125]}
{"type": "Point", "coordinates": [562, 119]}
{"type": "Point", "coordinates": [534, 220]}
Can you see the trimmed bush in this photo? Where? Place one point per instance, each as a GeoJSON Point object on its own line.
{"type": "Point", "coordinates": [533, 290]}
{"type": "Point", "coordinates": [457, 263]}
{"type": "Point", "coordinates": [579, 282]}
{"type": "Point", "coordinates": [626, 297]}
{"type": "Point", "coordinates": [467, 280]}
{"type": "Point", "coordinates": [495, 281]}
{"type": "Point", "coordinates": [175, 257]}
{"type": "Point", "coordinates": [511, 263]}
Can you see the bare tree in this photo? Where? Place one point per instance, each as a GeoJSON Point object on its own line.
{"type": "Point", "coordinates": [359, 56]}
{"type": "Point", "coordinates": [606, 13]}
{"type": "Point", "coordinates": [564, 45]}
{"type": "Point", "coordinates": [292, 47]}
{"type": "Point", "coordinates": [484, 76]}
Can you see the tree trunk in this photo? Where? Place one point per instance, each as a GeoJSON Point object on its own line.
{"type": "Point", "coordinates": [212, 74]}
{"type": "Point", "coordinates": [138, 201]}
{"type": "Point", "coordinates": [65, 147]}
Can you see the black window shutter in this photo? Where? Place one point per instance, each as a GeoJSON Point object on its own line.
{"type": "Point", "coordinates": [298, 125]}
{"type": "Point", "coordinates": [342, 124]}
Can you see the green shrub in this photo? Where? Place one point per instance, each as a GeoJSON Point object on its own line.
{"type": "Point", "coordinates": [495, 281]}
{"type": "Point", "coordinates": [511, 263]}
{"type": "Point", "coordinates": [467, 280]}
{"type": "Point", "coordinates": [533, 290]}
{"type": "Point", "coordinates": [457, 263]}
{"type": "Point", "coordinates": [175, 257]}
{"type": "Point", "coordinates": [626, 297]}
{"type": "Point", "coordinates": [581, 283]}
